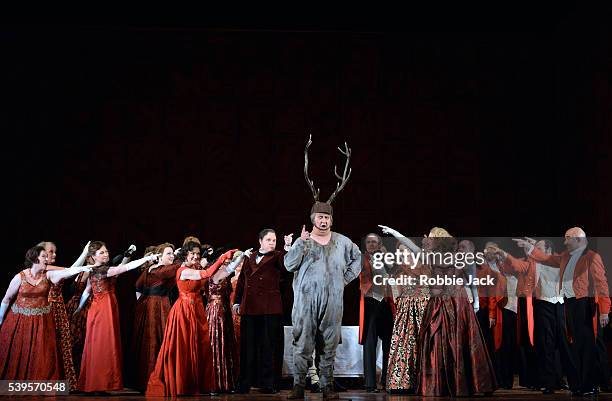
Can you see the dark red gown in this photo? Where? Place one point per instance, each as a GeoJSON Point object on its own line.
{"type": "Point", "coordinates": [221, 327]}
{"type": "Point", "coordinates": [152, 309]}
{"type": "Point", "coordinates": [28, 347]}
{"type": "Point", "coordinates": [184, 364]}
{"type": "Point", "coordinates": [101, 361]}
{"type": "Point", "coordinates": [453, 358]}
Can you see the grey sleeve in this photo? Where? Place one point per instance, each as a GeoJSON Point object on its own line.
{"type": "Point", "coordinates": [293, 258]}
{"type": "Point", "coordinates": [353, 262]}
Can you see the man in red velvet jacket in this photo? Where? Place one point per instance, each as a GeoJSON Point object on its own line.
{"type": "Point", "coordinates": [258, 301]}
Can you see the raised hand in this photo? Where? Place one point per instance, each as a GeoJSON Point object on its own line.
{"type": "Point", "coordinates": [388, 230]}
{"type": "Point", "coordinates": [288, 239]}
{"type": "Point", "coordinates": [305, 235]}
{"type": "Point", "coordinates": [153, 257]}
{"type": "Point", "coordinates": [530, 240]}
{"type": "Point", "coordinates": [248, 253]}
{"type": "Point", "coordinates": [522, 243]}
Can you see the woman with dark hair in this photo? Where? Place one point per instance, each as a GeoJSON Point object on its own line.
{"type": "Point", "coordinates": [152, 309]}
{"type": "Point", "coordinates": [101, 360]}
{"type": "Point", "coordinates": [453, 359]}
{"type": "Point", "coordinates": [28, 344]}
{"type": "Point", "coordinates": [60, 317]}
{"type": "Point", "coordinates": [184, 364]}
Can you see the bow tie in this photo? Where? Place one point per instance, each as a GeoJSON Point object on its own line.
{"type": "Point", "coordinates": [263, 254]}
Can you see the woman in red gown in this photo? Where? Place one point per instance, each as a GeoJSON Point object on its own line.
{"type": "Point", "coordinates": [453, 358]}
{"type": "Point", "coordinates": [101, 360]}
{"type": "Point", "coordinates": [28, 342]}
{"type": "Point", "coordinates": [152, 309]}
{"type": "Point", "coordinates": [184, 364]}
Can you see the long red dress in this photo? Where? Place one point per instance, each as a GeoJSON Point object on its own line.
{"type": "Point", "coordinates": [184, 364]}
{"type": "Point", "coordinates": [62, 333]}
{"type": "Point", "coordinates": [28, 347]}
{"type": "Point", "coordinates": [221, 327]}
{"type": "Point", "coordinates": [152, 309]}
{"type": "Point", "coordinates": [453, 358]}
{"type": "Point", "coordinates": [101, 362]}
{"type": "Point", "coordinates": [78, 322]}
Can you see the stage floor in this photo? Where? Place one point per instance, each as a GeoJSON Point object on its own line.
{"type": "Point", "coordinates": [515, 394]}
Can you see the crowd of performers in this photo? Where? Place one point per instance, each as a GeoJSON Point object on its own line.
{"type": "Point", "coordinates": [219, 334]}
{"type": "Point", "coordinates": [438, 340]}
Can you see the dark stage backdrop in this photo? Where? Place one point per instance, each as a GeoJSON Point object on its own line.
{"type": "Point", "coordinates": [144, 135]}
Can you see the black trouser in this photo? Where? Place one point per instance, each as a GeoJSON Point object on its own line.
{"type": "Point", "coordinates": [549, 337]}
{"type": "Point", "coordinates": [528, 359]}
{"type": "Point", "coordinates": [258, 335]}
{"type": "Point", "coordinates": [602, 359]}
{"type": "Point", "coordinates": [378, 322]}
{"type": "Point", "coordinates": [504, 358]}
{"type": "Point", "coordinates": [487, 333]}
{"type": "Point", "coordinates": [579, 316]}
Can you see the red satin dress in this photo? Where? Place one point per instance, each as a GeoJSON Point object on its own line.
{"type": "Point", "coordinates": [453, 358]}
{"type": "Point", "coordinates": [184, 364]}
{"type": "Point", "coordinates": [28, 347]}
{"type": "Point", "coordinates": [101, 361]}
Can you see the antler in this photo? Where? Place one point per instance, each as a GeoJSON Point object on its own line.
{"type": "Point", "coordinates": [345, 177]}
{"type": "Point", "coordinates": [315, 192]}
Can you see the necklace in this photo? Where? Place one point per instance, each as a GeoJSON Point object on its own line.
{"type": "Point", "coordinates": [34, 278]}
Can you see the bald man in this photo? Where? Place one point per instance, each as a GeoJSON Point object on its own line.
{"type": "Point", "coordinates": [584, 288]}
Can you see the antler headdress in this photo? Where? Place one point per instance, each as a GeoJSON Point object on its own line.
{"type": "Point", "coordinates": [325, 207]}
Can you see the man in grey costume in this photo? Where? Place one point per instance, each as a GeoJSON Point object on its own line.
{"type": "Point", "coordinates": [323, 262]}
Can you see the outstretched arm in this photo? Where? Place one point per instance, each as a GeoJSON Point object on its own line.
{"type": "Point", "coordinates": [193, 274]}
{"type": "Point", "coordinates": [58, 275]}
{"type": "Point", "coordinates": [401, 238]}
{"type": "Point", "coordinates": [117, 270]}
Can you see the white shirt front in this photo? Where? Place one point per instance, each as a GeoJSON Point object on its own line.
{"type": "Point", "coordinates": [567, 285]}
{"type": "Point", "coordinates": [547, 278]}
